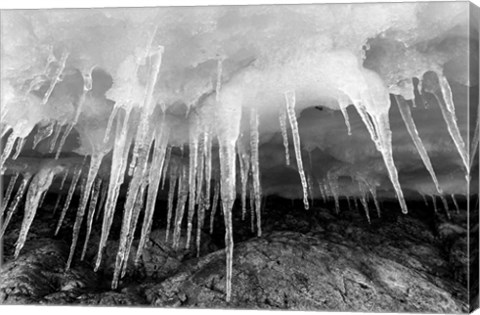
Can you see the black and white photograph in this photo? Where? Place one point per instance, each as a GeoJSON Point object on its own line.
{"type": "Point", "coordinates": [302, 157]}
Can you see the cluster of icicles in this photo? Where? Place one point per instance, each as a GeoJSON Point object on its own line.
{"type": "Point", "coordinates": [190, 184]}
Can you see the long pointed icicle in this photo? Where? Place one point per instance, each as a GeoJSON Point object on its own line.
{"type": "Point", "coordinates": [95, 162]}
{"type": "Point", "coordinates": [111, 118]}
{"type": "Point", "coordinates": [166, 165]}
{"type": "Point", "coordinates": [283, 127]}
{"type": "Point", "coordinates": [180, 209]}
{"type": "Point", "coordinates": [91, 214]}
{"type": "Point", "coordinates": [8, 148]}
{"type": "Point", "coordinates": [39, 185]}
{"type": "Point", "coordinates": [16, 201]}
{"type": "Point", "coordinates": [406, 114]}
{"type": "Point", "coordinates": [373, 191]}
{"type": "Point", "coordinates": [172, 184]}
{"type": "Point", "coordinates": [149, 103]}
{"type": "Point", "coordinates": [384, 134]}
{"type": "Point", "coordinates": [254, 140]}
{"type": "Point", "coordinates": [76, 176]}
{"type": "Point", "coordinates": [213, 211]}
{"type": "Point", "coordinates": [438, 86]}
{"type": "Point", "coordinates": [434, 200]}
{"type": "Point", "coordinates": [475, 140]}
{"type": "Point", "coordinates": [8, 193]}
{"type": "Point", "coordinates": [244, 162]}
{"type": "Point", "coordinates": [156, 171]}
{"type": "Point", "coordinates": [290, 102]}
{"type": "Point", "coordinates": [455, 203]}
{"type": "Point", "coordinates": [137, 208]}
{"type": "Point", "coordinates": [192, 174]}
{"type": "Point", "coordinates": [445, 205]}
{"type": "Point", "coordinates": [117, 174]}
{"type": "Point", "coordinates": [207, 150]}
{"type": "Point", "coordinates": [133, 193]}
{"type": "Point", "coordinates": [19, 148]}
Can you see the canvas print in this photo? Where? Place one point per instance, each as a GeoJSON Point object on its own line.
{"type": "Point", "coordinates": [319, 157]}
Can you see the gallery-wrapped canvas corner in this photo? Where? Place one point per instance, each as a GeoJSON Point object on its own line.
{"type": "Point", "coordinates": [317, 157]}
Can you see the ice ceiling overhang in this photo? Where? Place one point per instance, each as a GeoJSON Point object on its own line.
{"type": "Point", "coordinates": [301, 101]}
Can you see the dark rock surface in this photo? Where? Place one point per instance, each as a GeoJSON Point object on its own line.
{"type": "Point", "coordinates": [305, 260]}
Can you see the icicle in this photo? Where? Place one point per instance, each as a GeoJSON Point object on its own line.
{"type": "Point", "coordinates": [179, 211]}
{"type": "Point", "coordinates": [373, 191]}
{"type": "Point", "coordinates": [56, 133]}
{"type": "Point", "coordinates": [39, 185]}
{"type": "Point", "coordinates": [333, 184]}
{"type": "Point", "coordinates": [64, 178]}
{"type": "Point", "coordinates": [255, 168]}
{"type": "Point", "coordinates": [213, 211]}
{"type": "Point", "coordinates": [424, 199]}
{"type": "Point", "coordinates": [207, 150]}
{"type": "Point", "coordinates": [18, 198]}
{"type": "Point", "coordinates": [111, 118]}
{"type": "Point", "coordinates": [8, 193]}
{"type": "Point", "coordinates": [252, 210]}
{"type": "Point", "coordinates": [134, 192]}
{"type": "Point", "coordinates": [349, 205]}
{"type": "Point", "coordinates": [42, 134]}
{"type": "Point", "coordinates": [355, 203]}
{"type": "Point", "coordinates": [322, 192]}
{"type": "Point", "coordinates": [57, 203]}
{"type": "Point", "coordinates": [365, 206]}
{"type": "Point", "coordinates": [475, 140]}
{"type": "Point", "coordinates": [70, 126]}
{"type": "Point", "coordinates": [117, 174]}
{"type": "Point", "coordinates": [290, 102]}
{"type": "Point", "coordinates": [455, 203]}
{"type": "Point", "coordinates": [406, 114]}
{"type": "Point", "coordinates": [156, 170]}
{"type": "Point", "coordinates": [103, 198]}
{"type": "Point", "coordinates": [192, 174]}
{"type": "Point", "coordinates": [91, 213]}
{"type": "Point", "coordinates": [434, 200]}
{"type": "Point", "coordinates": [438, 86]}
{"type": "Point", "coordinates": [133, 225]}
{"type": "Point", "coordinates": [244, 161]}
{"type": "Point", "coordinates": [283, 126]}
{"type": "Point", "coordinates": [347, 121]}
{"type": "Point", "coordinates": [445, 205]}
{"type": "Point", "coordinates": [18, 149]}
{"type": "Point", "coordinates": [385, 147]}
{"type": "Point", "coordinates": [42, 199]}
{"type": "Point", "coordinates": [95, 162]}
{"type": "Point", "coordinates": [171, 193]}
{"type": "Point", "coordinates": [200, 222]}
{"type": "Point", "coordinates": [56, 77]}
{"type": "Point", "coordinates": [7, 148]}
{"type": "Point", "coordinates": [76, 176]}
{"type": "Point", "coordinates": [166, 164]}
{"type": "Point", "coordinates": [148, 104]}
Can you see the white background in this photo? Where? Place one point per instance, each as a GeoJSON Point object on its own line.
{"type": "Point", "coordinates": [63, 310]}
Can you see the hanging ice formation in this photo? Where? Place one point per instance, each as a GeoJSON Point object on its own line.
{"type": "Point", "coordinates": [290, 103]}
{"type": "Point", "coordinates": [40, 184]}
{"type": "Point", "coordinates": [406, 114]}
{"type": "Point", "coordinates": [437, 84]}
{"type": "Point", "coordinates": [283, 127]}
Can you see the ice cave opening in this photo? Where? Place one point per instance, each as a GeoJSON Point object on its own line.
{"type": "Point", "coordinates": [126, 127]}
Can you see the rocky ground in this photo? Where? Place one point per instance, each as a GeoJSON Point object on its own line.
{"type": "Point", "coordinates": [305, 260]}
